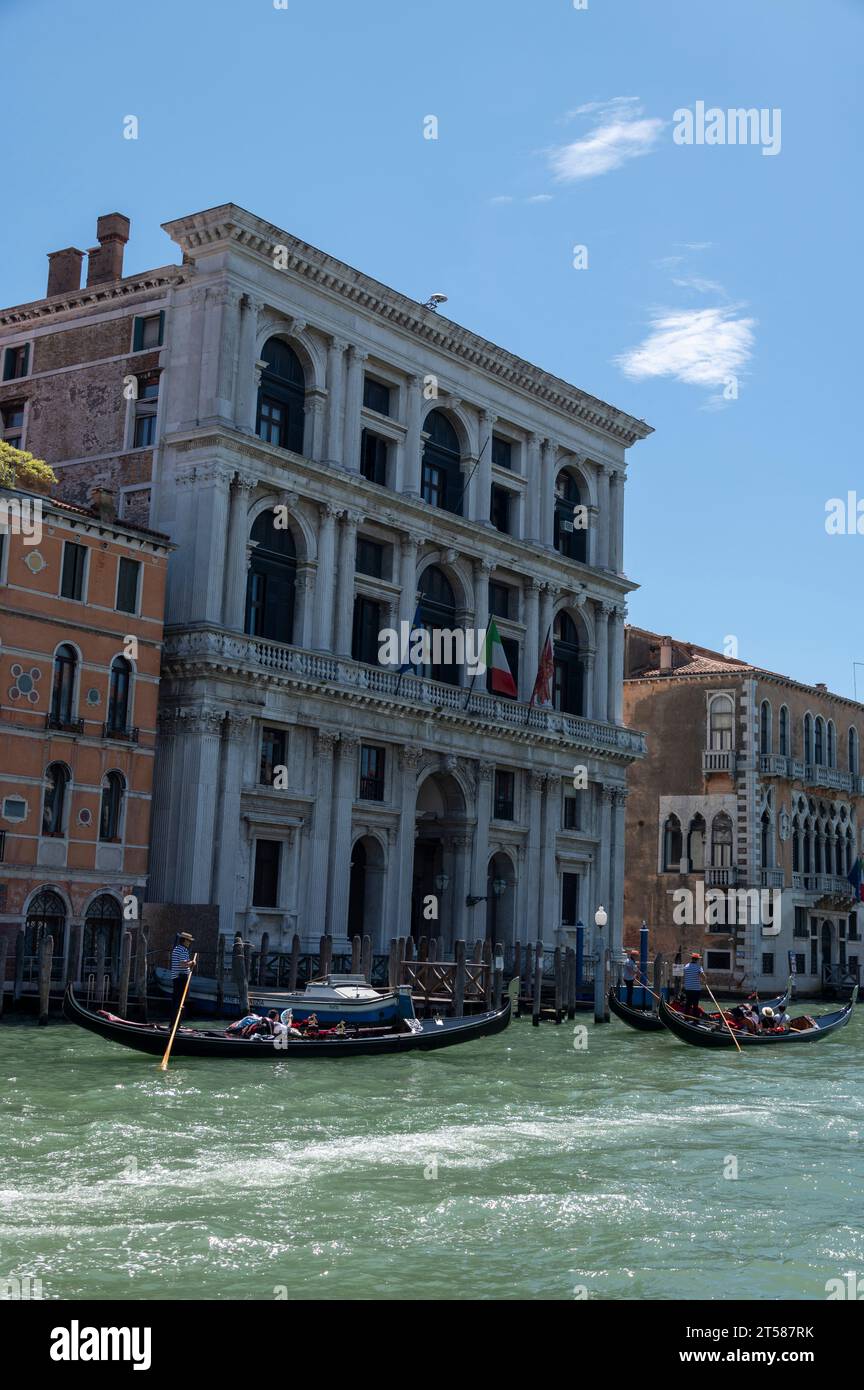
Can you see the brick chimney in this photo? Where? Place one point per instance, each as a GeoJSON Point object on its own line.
{"type": "Point", "coordinates": [64, 271]}
{"type": "Point", "coordinates": [666, 662]}
{"type": "Point", "coordinates": [102, 502]}
{"type": "Point", "coordinates": [105, 261]}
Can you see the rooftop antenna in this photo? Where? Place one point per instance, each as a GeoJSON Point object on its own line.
{"type": "Point", "coordinates": [434, 300]}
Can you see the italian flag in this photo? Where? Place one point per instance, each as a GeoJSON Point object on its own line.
{"type": "Point", "coordinates": [496, 662]}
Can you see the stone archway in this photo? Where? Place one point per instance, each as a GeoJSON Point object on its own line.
{"type": "Point", "coordinates": [442, 856]}
{"type": "Point", "coordinates": [500, 900]}
{"type": "Point", "coordinates": [366, 890]}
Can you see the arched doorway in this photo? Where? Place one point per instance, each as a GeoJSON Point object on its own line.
{"type": "Point", "coordinates": [441, 860]}
{"type": "Point", "coordinates": [270, 586]}
{"type": "Point", "coordinates": [500, 900]}
{"type": "Point", "coordinates": [366, 891]}
{"type": "Point", "coordinates": [46, 916]}
{"type": "Point", "coordinates": [102, 928]}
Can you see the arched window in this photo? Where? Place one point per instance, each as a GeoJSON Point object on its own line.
{"type": "Point", "coordinates": [696, 844]}
{"type": "Point", "coordinates": [441, 483]}
{"type": "Point", "coordinates": [765, 727]}
{"type": "Point", "coordinates": [785, 750]}
{"type": "Point", "coordinates": [720, 718]}
{"type": "Point", "coordinates": [63, 686]}
{"type": "Point", "coordinates": [808, 846]}
{"type": "Point", "coordinates": [721, 841]}
{"type": "Point", "coordinates": [113, 788]}
{"type": "Point", "coordinates": [850, 845]}
{"type": "Point", "coordinates": [118, 696]}
{"type": "Point", "coordinates": [568, 666]}
{"type": "Point", "coordinates": [808, 739]}
{"type": "Point", "coordinates": [102, 924]}
{"type": "Point", "coordinates": [46, 916]}
{"type": "Point", "coordinates": [438, 614]}
{"type": "Point", "coordinates": [767, 840]}
{"type": "Point", "coordinates": [853, 751]}
{"type": "Point", "coordinates": [570, 538]}
{"type": "Point", "coordinates": [831, 744]}
{"type": "Point", "coordinates": [54, 798]}
{"type": "Point", "coordinates": [819, 742]}
{"type": "Point", "coordinates": [281, 397]}
{"type": "Point", "coordinates": [272, 579]}
{"type": "Point", "coordinates": [672, 845]}
{"type": "Point", "coordinates": [796, 846]}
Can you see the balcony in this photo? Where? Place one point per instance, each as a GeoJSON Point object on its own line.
{"type": "Point", "coordinates": [771, 878]}
{"type": "Point", "coordinates": [722, 877]}
{"type": "Point", "coordinates": [824, 886]}
{"type": "Point", "coordinates": [774, 765]}
{"type": "Point", "coordinates": [121, 734]}
{"type": "Point", "coordinates": [64, 726]}
{"type": "Point", "coordinates": [214, 652]}
{"type": "Point", "coordinates": [718, 760]}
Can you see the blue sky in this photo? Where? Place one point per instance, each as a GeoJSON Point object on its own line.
{"type": "Point", "coordinates": [555, 129]}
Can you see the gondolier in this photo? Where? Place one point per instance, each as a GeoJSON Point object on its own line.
{"type": "Point", "coordinates": [693, 977]}
{"type": "Point", "coordinates": [180, 966]}
{"type": "Point", "coordinates": [629, 975]}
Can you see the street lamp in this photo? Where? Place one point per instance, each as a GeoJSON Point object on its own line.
{"type": "Point", "coordinates": [601, 917]}
{"type": "Point", "coordinates": [442, 882]}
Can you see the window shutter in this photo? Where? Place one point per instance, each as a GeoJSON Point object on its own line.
{"type": "Point", "coordinates": [138, 335]}
{"type": "Point", "coordinates": [161, 326]}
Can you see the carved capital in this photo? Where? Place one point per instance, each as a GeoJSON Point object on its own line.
{"type": "Point", "coordinates": [325, 742]}
{"type": "Point", "coordinates": [536, 781]}
{"type": "Point", "coordinates": [236, 726]}
{"type": "Point", "coordinates": [485, 771]}
{"type": "Point", "coordinates": [410, 756]}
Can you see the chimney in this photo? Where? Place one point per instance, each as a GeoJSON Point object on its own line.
{"type": "Point", "coordinates": [820, 685]}
{"type": "Point", "coordinates": [665, 655]}
{"type": "Point", "coordinates": [102, 502]}
{"type": "Point", "coordinates": [105, 261]}
{"type": "Point", "coordinates": [64, 271]}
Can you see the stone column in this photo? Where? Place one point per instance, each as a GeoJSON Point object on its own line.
{"type": "Point", "coordinates": [616, 534]}
{"type": "Point", "coordinates": [410, 545]}
{"type": "Point", "coordinates": [549, 888]}
{"type": "Point", "coordinates": [246, 378]}
{"type": "Point", "coordinates": [335, 399]}
{"type": "Point", "coordinates": [235, 734]}
{"type": "Point", "coordinates": [353, 407]}
{"type": "Point", "coordinates": [325, 578]}
{"type": "Point", "coordinates": [410, 758]}
{"type": "Point", "coordinates": [483, 491]}
{"type": "Point", "coordinates": [601, 663]}
{"type": "Point", "coordinates": [616, 891]}
{"type": "Point", "coordinates": [199, 793]}
{"type": "Point", "coordinates": [616, 672]}
{"type": "Point", "coordinates": [313, 430]}
{"type": "Point", "coordinates": [222, 314]}
{"type": "Point", "coordinates": [604, 852]}
{"type": "Point", "coordinates": [588, 685]}
{"type": "Point", "coordinates": [200, 575]}
{"type": "Point", "coordinates": [459, 924]}
{"type": "Point", "coordinates": [549, 451]}
{"type": "Point", "coordinates": [413, 439]}
{"type": "Point", "coordinates": [485, 785]}
{"type": "Point", "coordinates": [482, 570]}
{"type": "Point", "coordinates": [531, 655]}
{"type": "Point", "coordinates": [236, 555]}
{"type": "Point", "coordinates": [532, 927]}
{"type": "Point", "coordinates": [340, 837]}
{"type": "Point", "coordinates": [604, 520]}
{"type": "Point", "coordinates": [319, 862]}
{"type": "Point", "coordinates": [345, 582]}
{"type": "Point", "coordinates": [533, 528]}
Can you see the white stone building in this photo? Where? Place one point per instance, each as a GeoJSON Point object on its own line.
{"type": "Point", "coordinates": [412, 457]}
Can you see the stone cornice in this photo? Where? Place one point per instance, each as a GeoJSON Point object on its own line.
{"type": "Point", "coordinates": [132, 288]}
{"type": "Point", "coordinates": [230, 225]}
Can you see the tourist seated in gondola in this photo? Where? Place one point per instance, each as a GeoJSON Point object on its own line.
{"type": "Point", "coordinates": [766, 1019]}
{"type": "Point", "coordinates": [245, 1027]}
{"type": "Point", "coordinates": [781, 1020]}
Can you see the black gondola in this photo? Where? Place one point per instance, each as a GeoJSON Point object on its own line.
{"type": "Point", "coordinates": [717, 1035]}
{"type": "Point", "coordinates": [647, 1022]}
{"type": "Point", "coordinates": [410, 1036]}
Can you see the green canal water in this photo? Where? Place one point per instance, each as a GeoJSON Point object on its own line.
{"type": "Point", "coordinates": [513, 1167]}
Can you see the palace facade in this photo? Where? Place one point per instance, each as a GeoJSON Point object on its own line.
{"type": "Point", "coordinates": [746, 811]}
{"type": "Point", "coordinates": [330, 459]}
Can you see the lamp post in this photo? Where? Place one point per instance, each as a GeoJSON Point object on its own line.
{"type": "Point", "coordinates": [600, 920]}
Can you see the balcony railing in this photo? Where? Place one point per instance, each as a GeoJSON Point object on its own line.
{"type": "Point", "coordinates": [126, 735]}
{"type": "Point", "coordinates": [64, 726]}
{"type": "Point", "coordinates": [774, 765]}
{"type": "Point", "coordinates": [771, 878]}
{"type": "Point", "coordinates": [220, 651]}
{"type": "Point", "coordinates": [723, 876]}
{"type": "Point", "coordinates": [823, 885]}
{"type": "Point", "coordinates": [718, 760]}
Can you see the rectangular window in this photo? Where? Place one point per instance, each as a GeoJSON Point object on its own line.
{"type": "Point", "coordinates": [145, 432]}
{"type": "Point", "coordinates": [14, 808]}
{"type": "Point", "coordinates": [271, 420]}
{"type": "Point", "coordinates": [373, 458]}
{"type": "Point", "coordinates": [768, 963]}
{"type": "Point", "coordinates": [814, 956]}
{"type": "Point", "coordinates": [718, 960]}
{"type": "Point", "coordinates": [433, 487]}
{"type": "Point", "coordinates": [502, 452]}
{"type": "Point", "coordinates": [370, 558]}
{"type": "Point", "coordinates": [371, 773]}
{"type": "Point", "coordinates": [851, 964]}
{"type": "Point", "coordinates": [16, 362]}
{"type": "Point", "coordinates": [146, 405]}
{"type": "Point", "coordinates": [499, 600]}
{"type": "Point", "coordinates": [505, 789]}
{"type": "Point", "coordinates": [800, 964]}
{"type": "Point", "coordinates": [801, 928]}
{"type": "Point", "coordinates": [571, 813]}
{"type": "Point", "coordinates": [853, 927]}
{"type": "Point", "coordinates": [367, 625]}
{"type": "Point", "coordinates": [72, 579]}
{"type": "Point", "coordinates": [12, 421]}
{"type": "Point", "coordinates": [265, 889]}
{"type": "Point", "coordinates": [148, 332]}
{"type": "Point", "coordinates": [569, 899]}
{"type": "Point", "coordinates": [499, 511]}
{"type": "Point", "coordinates": [376, 396]}
{"type": "Point", "coordinates": [274, 748]}
{"type": "Point", "coordinates": [127, 586]}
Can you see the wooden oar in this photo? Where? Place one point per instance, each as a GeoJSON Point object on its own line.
{"type": "Point", "coordinates": [724, 1018]}
{"type": "Point", "coordinates": [163, 1065]}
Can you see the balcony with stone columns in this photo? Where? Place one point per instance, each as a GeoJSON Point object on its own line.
{"type": "Point", "coordinates": [210, 651]}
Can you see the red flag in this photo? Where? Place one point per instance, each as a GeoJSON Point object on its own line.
{"type": "Point", "coordinates": [542, 692]}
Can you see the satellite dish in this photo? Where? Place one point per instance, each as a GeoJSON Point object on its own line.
{"type": "Point", "coordinates": [434, 300]}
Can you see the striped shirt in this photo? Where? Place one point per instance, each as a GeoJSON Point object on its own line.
{"type": "Point", "coordinates": [179, 959]}
{"type": "Point", "coordinates": [693, 975]}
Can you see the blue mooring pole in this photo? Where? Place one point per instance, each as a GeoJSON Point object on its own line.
{"type": "Point", "coordinates": [643, 960]}
{"type": "Point", "coordinates": [580, 953]}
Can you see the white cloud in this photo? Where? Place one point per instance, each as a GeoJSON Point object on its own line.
{"type": "Point", "coordinates": [540, 198]}
{"type": "Point", "coordinates": [698, 283]}
{"type": "Point", "coordinates": [502, 198]}
{"type": "Point", "coordinates": [702, 347]}
{"type": "Point", "coordinates": [621, 133]}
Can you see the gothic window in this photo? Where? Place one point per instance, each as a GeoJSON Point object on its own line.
{"type": "Point", "coordinates": [569, 537]}
{"type": "Point", "coordinates": [281, 397]}
{"type": "Point", "coordinates": [102, 924]}
{"type": "Point", "coordinates": [808, 738]}
{"type": "Point", "coordinates": [767, 840]}
{"type": "Point", "coordinates": [853, 751]}
{"type": "Point", "coordinates": [819, 742]}
{"type": "Point", "coordinates": [765, 727]}
{"type": "Point", "coordinates": [785, 750]}
{"type": "Point", "coordinates": [720, 717]}
{"type": "Point", "coordinates": [796, 846]}
{"type": "Point", "coordinates": [118, 696]}
{"type": "Point", "coordinates": [696, 844]}
{"type": "Point", "coordinates": [63, 685]}
{"type": "Point", "coordinates": [568, 692]}
{"type": "Point", "coordinates": [54, 798]}
{"type": "Point", "coordinates": [721, 841]}
{"type": "Point", "coordinates": [672, 845]}
{"type": "Point", "coordinates": [831, 739]}
{"type": "Point", "coordinates": [46, 916]}
{"type": "Point", "coordinates": [113, 789]}
{"type": "Point", "coordinates": [271, 582]}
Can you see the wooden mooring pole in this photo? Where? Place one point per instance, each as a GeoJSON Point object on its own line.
{"type": "Point", "coordinates": [366, 959]}
{"type": "Point", "coordinates": [141, 969]}
{"type": "Point", "coordinates": [238, 970]}
{"type": "Point", "coordinates": [125, 967]}
{"type": "Point", "coordinates": [19, 966]}
{"type": "Point", "coordinates": [459, 981]}
{"type": "Point", "coordinates": [559, 985]}
{"type": "Point", "coordinates": [46, 953]}
{"type": "Point", "coordinates": [538, 984]}
{"type": "Point", "coordinates": [4, 947]}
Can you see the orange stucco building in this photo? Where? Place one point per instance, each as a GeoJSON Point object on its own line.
{"type": "Point", "coordinates": [81, 611]}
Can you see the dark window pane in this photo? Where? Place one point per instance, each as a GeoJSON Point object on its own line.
{"type": "Point", "coordinates": [376, 396]}
{"type": "Point", "coordinates": [15, 362]}
{"type": "Point", "coordinates": [371, 773]}
{"type": "Point", "coordinates": [118, 695]}
{"type": "Point", "coordinates": [370, 558]}
{"type": "Point", "coordinates": [502, 452]}
{"type": "Point", "coordinates": [499, 511]}
{"type": "Point", "coordinates": [145, 431]}
{"type": "Point", "coordinates": [504, 791]}
{"type": "Point", "coordinates": [72, 582]}
{"type": "Point", "coordinates": [367, 626]}
{"type": "Point", "coordinates": [569, 899]}
{"type": "Point", "coordinates": [265, 890]}
{"type": "Point", "coordinates": [499, 599]}
{"type": "Point", "coordinates": [373, 458]}
{"type": "Point", "coordinates": [571, 813]}
{"type": "Point", "coordinates": [274, 743]}
{"type": "Point", "coordinates": [127, 586]}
